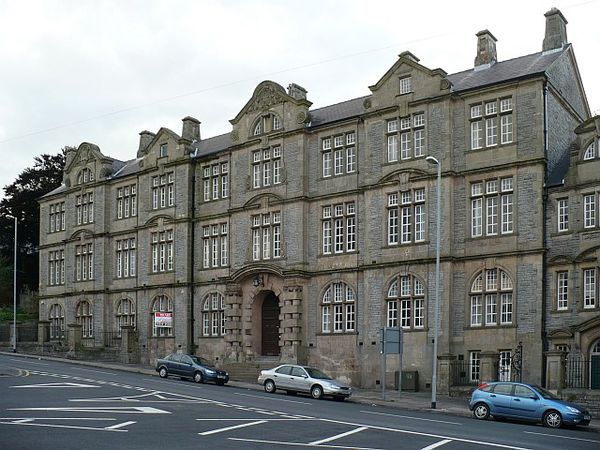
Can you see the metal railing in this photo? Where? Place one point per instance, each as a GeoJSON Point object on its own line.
{"type": "Point", "coordinates": [111, 339]}
{"type": "Point", "coordinates": [577, 373]}
{"type": "Point", "coordinates": [460, 374]}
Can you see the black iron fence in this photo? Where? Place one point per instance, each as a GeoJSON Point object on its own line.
{"type": "Point", "coordinates": [577, 373]}
{"type": "Point", "coordinates": [111, 339]}
{"type": "Point", "coordinates": [464, 373]}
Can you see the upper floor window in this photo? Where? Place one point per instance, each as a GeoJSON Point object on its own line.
{"type": "Point", "coordinates": [590, 288]}
{"type": "Point", "coordinates": [85, 176]}
{"type": "Point", "coordinates": [491, 123]}
{"type": "Point", "coordinates": [562, 290]}
{"type": "Point", "coordinates": [592, 151]}
{"type": "Point", "coordinates": [126, 258]}
{"type": "Point", "coordinates": [163, 190]}
{"type": "Point", "coordinates": [56, 316]}
{"type": "Point", "coordinates": [56, 267]}
{"type": "Point", "coordinates": [57, 217]}
{"type": "Point", "coordinates": [590, 211]}
{"type": "Point", "coordinates": [267, 123]}
{"type": "Point", "coordinates": [562, 205]}
{"type": "Point", "coordinates": [214, 240]}
{"type": "Point", "coordinates": [339, 228]}
{"type": "Point", "coordinates": [406, 137]}
{"type": "Point", "coordinates": [163, 151]}
{"type": "Point", "coordinates": [492, 207]}
{"type": "Point", "coordinates": [125, 314]}
{"type": "Point", "coordinates": [213, 315]}
{"type": "Point", "coordinates": [266, 167]}
{"type": "Point", "coordinates": [84, 316]}
{"type": "Point", "coordinates": [266, 236]}
{"type": "Point", "coordinates": [84, 262]}
{"type": "Point", "coordinates": [338, 309]}
{"type": "Point", "coordinates": [406, 217]}
{"type": "Point", "coordinates": [491, 298]}
{"type": "Point", "coordinates": [163, 327]}
{"type": "Point", "coordinates": [405, 85]}
{"type": "Point", "coordinates": [84, 207]}
{"type": "Point", "coordinates": [162, 251]}
{"type": "Point", "coordinates": [126, 201]}
{"type": "Point", "coordinates": [406, 303]}
{"type": "Point", "coordinates": [215, 180]}
{"type": "Point", "coordinates": [338, 154]}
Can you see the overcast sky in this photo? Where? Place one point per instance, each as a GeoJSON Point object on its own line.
{"type": "Point", "coordinates": [102, 71]}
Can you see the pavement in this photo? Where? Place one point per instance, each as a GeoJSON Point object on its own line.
{"type": "Point", "coordinates": [408, 400]}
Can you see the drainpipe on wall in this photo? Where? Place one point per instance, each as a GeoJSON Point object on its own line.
{"type": "Point", "coordinates": [544, 235]}
{"type": "Point", "coordinates": [192, 344]}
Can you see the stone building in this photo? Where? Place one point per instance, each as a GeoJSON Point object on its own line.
{"type": "Point", "coordinates": [302, 232]}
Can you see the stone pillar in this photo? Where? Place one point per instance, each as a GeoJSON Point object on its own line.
{"type": "Point", "coordinates": [555, 369]}
{"type": "Point", "coordinates": [43, 331]}
{"type": "Point", "coordinates": [127, 343]}
{"type": "Point", "coordinates": [233, 322]}
{"type": "Point", "coordinates": [290, 329]}
{"type": "Point", "coordinates": [444, 375]}
{"type": "Point", "coordinates": [75, 335]}
{"type": "Point", "coordinates": [488, 369]}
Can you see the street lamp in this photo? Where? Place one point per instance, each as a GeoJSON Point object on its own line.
{"type": "Point", "coordinates": [14, 287]}
{"type": "Point", "coordinates": [432, 160]}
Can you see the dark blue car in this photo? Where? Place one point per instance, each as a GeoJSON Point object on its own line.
{"type": "Point", "coordinates": [525, 402]}
{"type": "Point", "coordinates": [190, 366]}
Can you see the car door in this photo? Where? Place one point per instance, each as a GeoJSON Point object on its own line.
{"type": "Point", "coordinates": [525, 403]}
{"type": "Point", "coordinates": [299, 379]}
{"type": "Point", "coordinates": [500, 398]}
{"type": "Point", "coordinates": [282, 377]}
{"type": "Point", "coordinates": [186, 366]}
{"type": "Point", "coordinates": [173, 364]}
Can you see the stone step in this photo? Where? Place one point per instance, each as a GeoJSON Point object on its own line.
{"type": "Point", "coordinates": [248, 371]}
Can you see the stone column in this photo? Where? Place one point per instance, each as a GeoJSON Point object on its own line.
{"type": "Point", "coordinates": [233, 322]}
{"type": "Point", "coordinates": [75, 335]}
{"type": "Point", "coordinates": [127, 343]}
{"type": "Point", "coordinates": [488, 370]}
{"type": "Point", "coordinates": [290, 329]}
{"type": "Point", "coordinates": [43, 331]}
{"type": "Point", "coordinates": [555, 369]}
{"type": "Point", "coordinates": [444, 375]}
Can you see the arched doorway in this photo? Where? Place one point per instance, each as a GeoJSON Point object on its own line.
{"type": "Point", "coordinates": [270, 325]}
{"type": "Point", "coordinates": [595, 366]}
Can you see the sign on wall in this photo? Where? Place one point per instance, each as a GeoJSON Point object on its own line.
{"type": "Point", "coordinates": [163, 319]}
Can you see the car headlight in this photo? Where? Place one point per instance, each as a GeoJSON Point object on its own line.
{"type": "Point", "coordinates": [573, 410]}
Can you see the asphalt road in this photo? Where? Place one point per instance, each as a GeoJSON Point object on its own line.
{"type": "Point", "coordinates": [57, 405]}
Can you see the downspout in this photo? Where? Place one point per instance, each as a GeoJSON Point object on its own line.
{"type": "Point", "coordinates": [544, 234]}
{"type": "Point", "coordinates": [192, 345]}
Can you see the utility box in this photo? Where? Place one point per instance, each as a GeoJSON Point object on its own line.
{"type": "Point", "coordinates": [410, 380]}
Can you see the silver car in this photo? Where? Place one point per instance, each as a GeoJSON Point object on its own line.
{"type": "Point", "coordinates": [292, 379]}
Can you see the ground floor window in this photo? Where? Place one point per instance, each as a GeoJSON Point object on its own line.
{"type": "Point", "coordinates": [162, 328]}
{"type": "Point", "coordinates": [474, 364]}
{"type": "Point", "coordinates": [125, 314]}
{"type": "Point", "coordinates": [57, 322]}
{"type": "Point", "coordinates": [213, 315]}
{"type": "Point", "coordinates": [84, 317]}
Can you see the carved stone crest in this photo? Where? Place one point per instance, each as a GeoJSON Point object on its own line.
{"type": "Point", "coordinates": [235, 136]}
{"type": "Point", "coordinates": [266, 97]}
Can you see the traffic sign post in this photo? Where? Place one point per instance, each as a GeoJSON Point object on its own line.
{"type": "Point", "coordinates": [391, 343]}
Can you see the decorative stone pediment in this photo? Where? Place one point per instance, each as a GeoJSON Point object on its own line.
{"type": "Point", "coordinates": [266, 95]}
{"type": "Point", "coordinates": [561, 333]}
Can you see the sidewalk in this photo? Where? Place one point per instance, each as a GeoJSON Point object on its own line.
{"type": "Point", "coordinates": [414, 401]}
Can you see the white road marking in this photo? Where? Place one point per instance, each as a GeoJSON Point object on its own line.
{"type": "Point", "coordinates": [264, 397]}
{"type": "Point", "coordinates": [410, 417]}
{"type": "Point", "coordinates": [72, 427]}
{"type": "Point", "coordinates": [117, 410]}
{"type": "Point", "coordinates": [55, 385]}
{"type": "Point", "coordinates": [338, 436]}
{"type": "Point", "coordinates": [233, 427]}
{"type": "Point", "coordinates": [437, 444]}
{"type": "Point", "coordinates": [245, 419]}
{"type": "Point", "coordinates": [120, 425]}
{"type": "Point", "coordinates": [57, 418]}
{"type": "Point", "coordinates": [562, 437]}
{"type": "Point", "coordinates": [301, 444]}
{"type": "Point", "coordinates": [29, 362]}
{"type": "Point", "coordinates": [94, 370]}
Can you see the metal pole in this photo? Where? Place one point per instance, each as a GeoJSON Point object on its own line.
{"type": "Point", "coordinates": [15, 291]}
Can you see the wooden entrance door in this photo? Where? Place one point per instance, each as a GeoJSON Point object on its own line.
{"type": "Point", "coordinates": [270, 325]}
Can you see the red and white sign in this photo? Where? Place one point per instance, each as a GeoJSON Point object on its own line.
{"type": "Point", "coordinates": [163, 319]}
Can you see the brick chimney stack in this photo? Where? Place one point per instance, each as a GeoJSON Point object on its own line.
{"type": "Point", "coordinates": [191, 129]}
{"type": "Point", "coordinates": [145, 139]}
{"type": "Point", "coordinates": [486, 49]}
{"type": "Point", "coordinates": [556, 31]}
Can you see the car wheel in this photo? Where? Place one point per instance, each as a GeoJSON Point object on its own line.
{"type": "Point", "coordinates": [552, 419]}
{"type": "Point", "coordinates": [316, 392]}
{"type": "Point", "coordinates": [198, 378]}
{"type": "Point", "coordinates": [481, 411]}
{"type": "Point", "coordinates": [163, 372]}
{"type": "Point", "coordinates": [270, 386]}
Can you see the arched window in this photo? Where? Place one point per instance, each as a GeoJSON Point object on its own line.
{"type": "Point", "coordinates": [125, 314]}
{"type": "Point", "coordinates": [491, 298]}
{"type": "Point", "coordinates": [57, 322]}
{"type": "Point", "coordinates": [162, 324]}
{"type": "Point", "coordinates": [338, 309]}
{"type": "Point", "coordinates": [84, 317]}
{"type": "Point", "coordinates": [590, 152]}
{"type": "Point", "coordinates": [267, 123]}
{"type": "Point", "coordinates": [213, 315]}
{"type": "Point", "coordinates": [85, 176]}
{"type": "Point", "coordinates": [406, 302]}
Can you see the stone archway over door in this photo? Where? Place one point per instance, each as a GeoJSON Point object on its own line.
{"type": "Point", "coordinates": [270, 325]}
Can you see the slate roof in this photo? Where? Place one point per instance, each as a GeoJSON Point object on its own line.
{"type": "Point", "coordinates": [339, 111]}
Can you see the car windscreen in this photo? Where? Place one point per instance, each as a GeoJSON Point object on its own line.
{"type": "Point", "coordinates": [316, 373]}
{"type": "Point", "coordinates": [546, 394]}
{"type": "Point", "coordinates": [201, 361]}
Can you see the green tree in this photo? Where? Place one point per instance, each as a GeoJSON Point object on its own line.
{"type": "Point", "coordinates": [21, 200]}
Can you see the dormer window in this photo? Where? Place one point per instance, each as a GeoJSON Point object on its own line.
{"type": "Point", "coordinates": [163, 150]}
{"type": "Point", "coordinates": [590, 152]}
{"type": "Point", "coordinates": [405, 85]}
{"type": "Point", "coordinates": [85, 176]}
{"type": "Point", "coordinates": [267, 123]}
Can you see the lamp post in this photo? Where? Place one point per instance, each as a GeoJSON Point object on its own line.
{"type": "Point", "coordinates": [432, 160]}
{"type": "Point", "coordinates": [14, 287]}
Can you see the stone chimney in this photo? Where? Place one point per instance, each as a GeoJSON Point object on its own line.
{"type": "Point", "coordinates": [296, 91]}
{"type": "Point", "coordinates": [486, 49]}
{"type": "Point", "coordinates": [556, 31]}
{"type": "Point", "coordinates": [191, 129]}
{"type": "Point", "coordinates": [145, 139]}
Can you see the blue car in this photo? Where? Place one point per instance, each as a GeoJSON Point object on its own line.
{"type": "Point", "coordinates": [525, 402]}
{"type": "Point", "coordinates": [191, 367]}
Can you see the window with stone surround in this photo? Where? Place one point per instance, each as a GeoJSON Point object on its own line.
{"type": "Point", "coordinates": [474, 365]}
{"type": "Point", "coordinates": [562, 207]}
{"type": "Point", "coordinates": [84, 208]}
{"type": "Point", "coordinates": [215, 181]}
{"type": "Point", "coordinates": [85, 176]}
{"type": "Point", "coordinates": [125, 314]}
{"type": "Point", "coordinates": [266, 236]}
{"type": "Point", "coordinates": [267, 123]}
{"type": "Point", "coordinates": [213, 315]}
{"type": "Point", "coordinates": [405, 85]}
{"type": "Point", "coordinates": [163, 190]}
{"type": "Point", "coordinates": [56, 316]}
{"type": "Point", "coordinates": [590, 288]}
{"type": "Point", "coordinates": [590, 210]}
{"type": "Point", "coordinates": [592, 151]}
{"type": "Point", "coordinates": [163, 304]}
{"type": "Point", "coordinates": [84, 262]}
{"type": "Point", "coordinates": [215, 245]}
{"type": "Point", "coordinates": [491, 299]}
{"type": "Point", "coordinates": [162, 251]}
{"type": "Point", "coordinates": [338, 154]}
{"type": "Point", "coordinates": [338, 309]}
{"type": "Point", "coordinates": [267, 166]}
{"type": "Point", "coordinates": [492, 207]}
{"type": "Point", "coordinates": [491, 123]}
{"type": "Point", "coordinates": [406, 137]}
{"type": "Point", "coordinates": [126, 201]}
{"type": "Point", "coordinates": [125, 258]}
{"type": "Point", "coordinates": [406, 217]}
{"type": "Point", "coordinates": [338, 223]}
{"type": "Point", "coordinates": [84, 316]}
{"type": "Point", "coordinates": [56, 267]}
{"type": "Point", "coordinates": [57, 217]}
{"type": "Point", "coordinates": [562, 290]}
{"type": "Point", "coordinates": [406, 303]}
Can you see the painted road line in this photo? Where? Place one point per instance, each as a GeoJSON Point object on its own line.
{"type": "Point", "coordinates": [562, 437]}
{"type": "Point", "coordinates": [301, 444]}
{"type": "Point", "coordinates": [245, 419]}
{"type": "Point", "coordinates": [410, 417]}
{"type": "Point", "coordinates": [264, 397]}
{"type": "Point", "coordinates": [116, 410]}
{"type": "Point", "coordinates": [437, 444]}
{"type": "Point", "coordinates": [120, 425]}
{"type": "Point", "coordinates": [28, 362]}
{"type": "Point", "coordinates": [57, 418]}
{"type": "Point", "coordinates": [233, 427]}
{"type": "Point", "coordinates": [338, 436]}
{"type": "Point", "coordinates": [55, 385]}
{"type": "Point", "coordinates": [94, 370]}
{"type": "Point", "coordinates": [71, 427]}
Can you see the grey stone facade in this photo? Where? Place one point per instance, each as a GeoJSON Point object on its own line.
{"type": "Point", "coordinates": [331, 305]}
